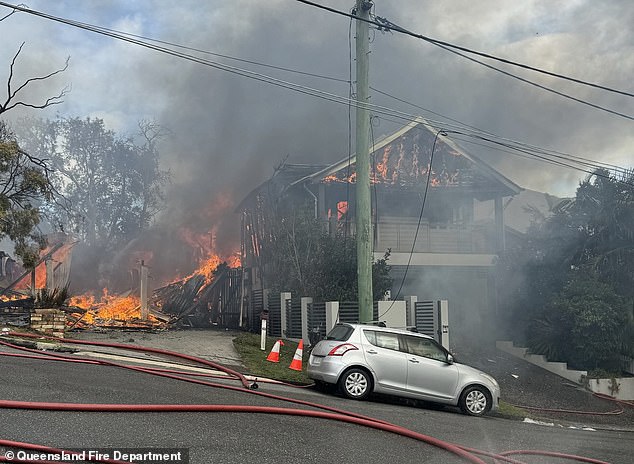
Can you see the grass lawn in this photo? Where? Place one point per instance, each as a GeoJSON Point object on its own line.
{"type": "Point", "coordinates": [248, 346]}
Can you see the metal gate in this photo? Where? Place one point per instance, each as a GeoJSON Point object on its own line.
{"type": "Point", "coordinates": [432, 318]}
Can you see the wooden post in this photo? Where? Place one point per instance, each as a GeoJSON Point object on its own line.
{"type": "Point", "coordinates": [143, 286]}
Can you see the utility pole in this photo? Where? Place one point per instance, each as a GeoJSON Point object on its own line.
{"type": "Point", "coordinates": [364, 212]}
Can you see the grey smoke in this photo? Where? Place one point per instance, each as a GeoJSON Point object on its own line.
{"type": "Point", "coordinates": [230, 132]}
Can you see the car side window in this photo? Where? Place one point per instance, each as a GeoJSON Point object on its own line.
{"type": "Point", "coordinates": [382, 339]}
{"type": "Point", "coordinates": [425, 347]}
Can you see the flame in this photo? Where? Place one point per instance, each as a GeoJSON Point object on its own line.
{"type": "Point", "coordinates": [342, 209]}
{"type": "Point", "coordinates": [406, 162]}
{"type": "Point", "coordinates": [110, 309]}
{"type": "Point", "coordinates": [124, 310]}
{"type": "Point", "coordinates": [13, 297]}
{"type": "Point", "coordinates": [59, 256]}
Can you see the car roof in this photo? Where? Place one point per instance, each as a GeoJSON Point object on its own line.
{"type": "Point", "coordinates": [385, 329]}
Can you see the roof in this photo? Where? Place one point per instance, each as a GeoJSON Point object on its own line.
{"type": "Point", "coordinates": [403, 157]}
{"type": "Point", "coordinates": [283, 175]}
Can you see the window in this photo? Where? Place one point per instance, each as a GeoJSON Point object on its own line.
{"type": "Point", "coordinates": [340, 333]}
{"type": "Point", "coordinates": [425, 347]}
{"type": "Point", "coordinates": [382, 339]}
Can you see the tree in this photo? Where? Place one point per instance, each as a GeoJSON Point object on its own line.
{"type": "Point", "coordinates": [584, 325]}
{"type": "Point", "coordinates": [24, 184]}
{"type": "Point", "coordinates": [576, 301]}
{"type": "Point", "coordinates": [24, 178]}
{"type": "Point", "coordinates": [302, 258]}
{"type": "Point", "coordinates": [112, 186]}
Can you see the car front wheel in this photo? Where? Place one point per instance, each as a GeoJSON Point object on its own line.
{"type": "Point", "coordinates": [475, 401]}
{"type": "Point", "coordinates": [356, 384]}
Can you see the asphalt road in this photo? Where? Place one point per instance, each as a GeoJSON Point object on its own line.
{"type": "Point", "coordinates": [248, 437]}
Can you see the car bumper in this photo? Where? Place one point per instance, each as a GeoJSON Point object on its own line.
{"type": "Point", "coordinates": [325, 368]}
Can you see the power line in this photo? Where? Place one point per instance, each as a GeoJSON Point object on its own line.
{"type": "Point", "coordinates": [268, 79]}
{"type": "Point", "coordinates": [232, 69]}
{"type": "Point", "coordinates": [220, 55]}
{"type": "Point", "coordinates": [524, 144]}
{"type": "Point", "coordinates": [420, 220]}
{"type": "Point", "coordinates": [539, 86]}
{"type": "Point", "coordinates": [384, 24]}
{"type": "Point", "coordinates": [538, 154]}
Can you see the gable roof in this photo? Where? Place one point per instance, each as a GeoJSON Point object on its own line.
{"type": "Point", "coordinates": [403, 159]}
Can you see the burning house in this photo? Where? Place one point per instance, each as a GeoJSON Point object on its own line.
{"type": "Point", "coordinates": [442, 254]}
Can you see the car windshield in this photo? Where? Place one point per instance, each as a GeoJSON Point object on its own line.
{"type": "Point", "coordinates": [340, 333]}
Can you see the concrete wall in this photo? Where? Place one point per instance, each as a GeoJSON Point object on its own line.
{"type": "Point", "coordinates": [621, 388]}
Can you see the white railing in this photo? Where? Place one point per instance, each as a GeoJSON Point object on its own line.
{"type": "Point", "coordinates": [398, 234]}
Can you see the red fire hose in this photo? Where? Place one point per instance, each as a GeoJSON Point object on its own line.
{"type": "Point", "coordinates": [334, 414]}
{"type": "Point", "coordinates": [205, 362]}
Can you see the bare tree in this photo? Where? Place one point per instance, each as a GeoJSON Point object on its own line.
{"type": "Point", "coordinates": [13, 98]}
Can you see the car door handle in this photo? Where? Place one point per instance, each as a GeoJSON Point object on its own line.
{"type": "Point", "coordinates": [371, 351]}
{"type": "Point", "coordinates": [414, 360]}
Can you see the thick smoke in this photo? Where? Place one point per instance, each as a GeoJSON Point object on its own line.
{"type": "Point", "coordinates": [229, 132]}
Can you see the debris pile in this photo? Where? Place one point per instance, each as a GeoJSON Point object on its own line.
{"type": "Point", "coordinates": [200, 300]}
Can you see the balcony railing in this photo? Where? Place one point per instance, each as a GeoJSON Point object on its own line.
{"type": "Point", "coordinates": [398, 234]}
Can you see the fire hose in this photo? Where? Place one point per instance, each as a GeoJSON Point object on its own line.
{"type": "Point", "coordinates": [333, 413]}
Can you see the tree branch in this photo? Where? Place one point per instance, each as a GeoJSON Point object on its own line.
{"type": "Point", "coordinates": [12, 12]}
{"type": "Point", "coordinates": [11, 102]}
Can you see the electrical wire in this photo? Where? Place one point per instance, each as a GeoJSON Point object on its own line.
{"type": "Point", "coordinates": [484, 131]}
{"type": "Point", "coordinates": [387, 25]}
{"type": "Point", "coordinates": [384, 24]}
{"type": "Point", "coordinates": [511, 143]}
{"type": "Point", "coordinates": [540, 154]}
{"type": "Point", "coordinates": [378, 110]}
{"type": "Point", "coordinates": [540, 86]}
{"type": "Point", "coordinates": [420, 220]}
{"type": "Point", "coordinates": [328, 96]}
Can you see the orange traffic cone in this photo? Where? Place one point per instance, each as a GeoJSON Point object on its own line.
{"type": "Point", "coordinates": [274, 355]}
{"type": "Point", "coordinates": [296, 364]}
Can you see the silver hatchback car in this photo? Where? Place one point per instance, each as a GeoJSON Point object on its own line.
{"type": "Point", "coordinates": [362, 359]}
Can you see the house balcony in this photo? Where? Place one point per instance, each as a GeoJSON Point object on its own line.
{"type": "Point", "coordinates": [398, 235]}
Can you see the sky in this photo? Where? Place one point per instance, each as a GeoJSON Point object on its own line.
{"type": "Point", "coordinates": [228, 133]}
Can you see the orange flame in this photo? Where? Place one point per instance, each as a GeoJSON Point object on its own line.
{"type": "Point", "coordinates": [59, 256]}
{"type": "Point", "coordinates": [110, 308]}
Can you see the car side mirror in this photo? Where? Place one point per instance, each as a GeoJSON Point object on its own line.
{"type": "Point", "coordinates": [450, 359]}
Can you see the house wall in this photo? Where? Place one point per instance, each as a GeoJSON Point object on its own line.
{"type": "Point", "coordinates": [470, 292]}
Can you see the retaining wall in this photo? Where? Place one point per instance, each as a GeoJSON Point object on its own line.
{"type": "Point", "coordinates": [620, 388]}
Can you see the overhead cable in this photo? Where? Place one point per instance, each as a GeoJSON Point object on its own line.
{"type": "Point", "coordinates": [376, 109]}
{"type": "Point", "coordinates": [385, 24]}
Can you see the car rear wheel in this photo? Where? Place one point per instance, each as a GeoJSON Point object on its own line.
{"type": "Point", "coordinates": [356, 384]}
{"type": "Point", "coordinates": [475, 401]}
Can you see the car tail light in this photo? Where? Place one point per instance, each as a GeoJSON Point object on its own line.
{"type": "Point", "coordinates": [340, 350]}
